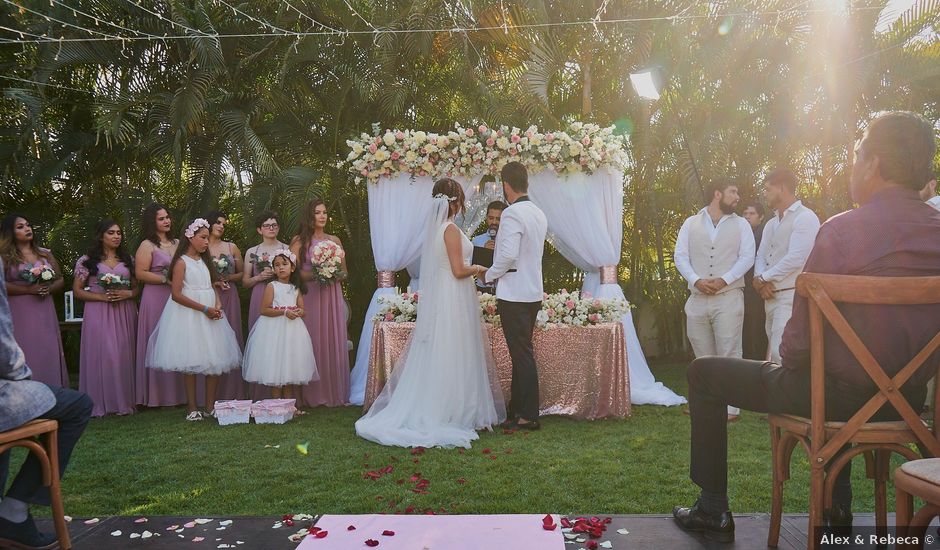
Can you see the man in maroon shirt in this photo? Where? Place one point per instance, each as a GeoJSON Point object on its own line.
{"type": "Point", "coordinates": [891, 234]}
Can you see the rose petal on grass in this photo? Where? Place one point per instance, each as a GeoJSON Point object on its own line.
{"type": "Point", "coordinates": [172, 528]}
{"type": "Point", "coordinates": [190, 524]}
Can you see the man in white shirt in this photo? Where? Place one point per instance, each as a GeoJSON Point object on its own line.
{"type": "Point", "coordinates": [517, 266]}
{"type": "Point", "coordinates": [785, 245]}
{"type": "Point", "coordinates": [487, 239]}
{"type": "Point", "coordinates": [714, 249]}
{"type": "Point", "coordinates": [929, 194]}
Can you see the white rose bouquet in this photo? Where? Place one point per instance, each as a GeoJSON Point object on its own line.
{"type": "Point", "coordinates": [326, 259]}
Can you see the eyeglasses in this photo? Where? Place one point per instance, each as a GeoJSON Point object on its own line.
{"type": "Point", "coordinates": [269, 226]}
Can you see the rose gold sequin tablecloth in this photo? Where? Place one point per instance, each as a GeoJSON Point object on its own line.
{"type": "Point", "coordinates": [582, 370]}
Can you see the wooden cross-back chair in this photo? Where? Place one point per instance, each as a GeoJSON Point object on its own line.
{"type": "Point", "coordinates": [824, 440]}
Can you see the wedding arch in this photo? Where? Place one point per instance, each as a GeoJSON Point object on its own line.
{"type": "Point", "coordinates": [575, 177]}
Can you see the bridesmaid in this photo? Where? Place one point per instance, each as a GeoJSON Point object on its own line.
{"type": "Point", "coordinates": [326, 314]}
{"type": "Point", "coordinates": [154, 388]}
{"type": "Point", "coordinates": [106, 370]}
{"type": "Point", "coordinates": [227, 260]}
{"type": "Point", "coordinates": [255, 278]}
{"type": "Point", "coordinates": [35, 324]}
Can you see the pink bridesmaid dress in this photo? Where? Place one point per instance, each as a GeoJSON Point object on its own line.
{"type": "Point", "coordinates": [36, 329]}
{"type": "Point", "coordinates": [155, 388]}
{"type": "Point", "coordinates": [106, 368]}
{"type": "Point", "coordinates": [326, 322]}
{"type": "Point", "coordinates": [231, 385]}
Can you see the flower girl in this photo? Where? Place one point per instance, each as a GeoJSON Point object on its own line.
{"type": "Point", "coordinates": [279, 352]}
{"type": "Point", "coordinates": [189, 338]}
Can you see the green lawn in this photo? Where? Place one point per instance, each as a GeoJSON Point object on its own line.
{"type": "Point", "coordinates": [155, 463]}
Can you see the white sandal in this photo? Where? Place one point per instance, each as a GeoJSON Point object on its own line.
{"type": "Point", "coordinates": [194, 416]}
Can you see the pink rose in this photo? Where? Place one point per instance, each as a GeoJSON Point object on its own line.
{"type": "Point", "coordinates": [491, 309]}
{"type": "Point", "coordinates": [551, 313]}
{"type": "Point", "coordinates": [513, 152]}
{"type": "Point", "coordinates": [469, 132]}
{"type": "Point", "coordinates": [377, 140]}
{"type": "Point", "coordinates": [529, 135]}
{"type": "Point", "coordinates": [569, 304]}
{"type": "Point", "coordinates": [594, 317]}
{"type": "Point", "coordinates": [490, 142]}
{"type": "Point", "coordinates": [515, 138]}
{"type": "Point", "coordinates": [585, 141]}
{"type": "Point", "coordinates": [482, 129]}
{"type": "Point", "coordinates": [545, 296]}
{"type": "Point", "coordinates": [389, 316]}
{"type": "Point", "coordinates": [549, 137]}
{"type": "Point", "coordinates": [373, 148]}
{"type": "Point", "coordinates": [399, 135]}
{"type": "Point", "coordinates": [499, 133]}
{"type": "Point", "coordinates": [396, 155]}
{"type": "Point", "coordinates": [422, 173]}
{"type": "Point", "coordinates": [404, 295]}
{"type": "Point", "coordinates": [415, 297]}
{"type": "Point", "coordinates": [597, 303]}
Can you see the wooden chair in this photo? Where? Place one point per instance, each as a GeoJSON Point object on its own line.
{"type": "Point", "coordinates": [48, 455]}
{"type": "Point", "coordinates": [876, 440]}
{"type": "Point", "coordinates": [921, 479]}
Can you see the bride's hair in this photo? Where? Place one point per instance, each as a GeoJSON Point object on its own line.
{"type": "Point", "coordinates": [454, 193]}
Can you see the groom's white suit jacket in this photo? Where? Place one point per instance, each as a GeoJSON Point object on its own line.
{"type": "Point", "coordinates": [519, 246]}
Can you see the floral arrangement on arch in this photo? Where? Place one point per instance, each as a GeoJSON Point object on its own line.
{"type": "Point", "coordinates": [559, 309]}
{"type": "Point", "coordinates": [581, 147]}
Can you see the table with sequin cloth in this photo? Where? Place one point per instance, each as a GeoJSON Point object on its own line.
{"type": "Point", "coordinates": [582, 370]}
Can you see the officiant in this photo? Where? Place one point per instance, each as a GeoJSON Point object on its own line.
{"type": "Point", "coordinates": [487, 241]}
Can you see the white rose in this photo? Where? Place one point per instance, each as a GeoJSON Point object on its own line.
{"type": "Point", "coordinates": [420, 137]}
{"type": "Point", "coordinates": [46, 276]}
{"type": "Point", "coordinates": [389, 139]}
{"type": "Point", "coordinates": [502, 143]}
{"type": "Point", "coordinates": [381, 155]}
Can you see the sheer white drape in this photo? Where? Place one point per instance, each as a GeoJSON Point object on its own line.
{"type": "Point", "coordinates": [398, 211]}
{"type": "Point", "coordinates": [585, 219]}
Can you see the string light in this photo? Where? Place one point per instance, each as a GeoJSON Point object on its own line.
{"type": "Point", "coordinates": [161, 17]}
{"type": "Point", "coordinates": [311, 19]}
{"type": "Point", "coordinates": [265, 23]}
{"type": "Point", "coordinates": [46, 84]}
{"type": "Point", "coordinates": [97, 19]}
{"type": "Point", "coordinates": [48, 18]}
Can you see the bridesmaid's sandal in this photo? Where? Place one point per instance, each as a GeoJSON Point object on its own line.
{"type": "Point", "coordinates": [298, 412]}
{"type": "Point", "coordinates": [194, 416]}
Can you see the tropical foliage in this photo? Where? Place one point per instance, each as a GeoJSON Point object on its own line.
{"type": "Point", "coordinates": [203, 103]}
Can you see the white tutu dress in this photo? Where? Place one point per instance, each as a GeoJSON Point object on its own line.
{"type": "Point", "coordinates": [279, 350]}
{"type": "Point", "coordinates": [187, 341]}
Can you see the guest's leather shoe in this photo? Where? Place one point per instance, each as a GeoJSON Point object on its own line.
{"type": "Point", "coordinates": [24, 535]}
{"type": "Point", "coordinates": [839, 519]}
{"type": "Point", "coordinates": [508, 424]}
{"type": "Point", "coordinates": [717, 528]}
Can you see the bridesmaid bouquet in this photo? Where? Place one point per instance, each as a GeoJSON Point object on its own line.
{"type": "Point", "coordinates": [223, 265]}
{"type": "Point", "coordinates": [261, 262]}
{"type": "Point", "coordinates": [112, 281]}
{"type": "Point", "coordinates": [38, 273]}
{"type": "Point", "coordinates": [327, 260]}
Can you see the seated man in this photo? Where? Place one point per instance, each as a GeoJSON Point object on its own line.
{"type": "Point", "coordinates": [891, 234]}
{"type": "Point", "coordinates": [22, 400]}
{"type": "Point", "coordinates": [494, 212]}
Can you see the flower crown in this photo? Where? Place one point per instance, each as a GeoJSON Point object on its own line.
{"type": "Point", "coordinates": [287, 254]}
{"type": "Point", "coordinates": [443, 196]}
{"type": "Point", "coordinates": [193, 227]}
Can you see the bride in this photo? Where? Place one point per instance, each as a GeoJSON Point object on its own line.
{"type": "Point", "coordinates": [444, 387]}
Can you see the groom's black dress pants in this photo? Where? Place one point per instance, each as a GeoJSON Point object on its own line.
{"type": "Point", "coordinates": [518, 320]}
{"type": "Point", "coordinates": [761, 386]}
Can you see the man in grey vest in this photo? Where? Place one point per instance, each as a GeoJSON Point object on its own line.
{"type": "Point", "coordinates": [714, 249]}
{"type": "Point", "coordinates": [785, 245]}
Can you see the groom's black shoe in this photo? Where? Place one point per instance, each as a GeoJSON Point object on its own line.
{"type": "Point", "coordinates": [718, 528]}
{"type": "Point", "coordinates": [530, 425]}
{"type": "Point", "coordinates": [24, 535]}
{"type": "Point", "coordinates": [509, 424]}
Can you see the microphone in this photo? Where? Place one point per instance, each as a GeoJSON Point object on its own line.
{"type": "Point", "coordinates": [491, 232]}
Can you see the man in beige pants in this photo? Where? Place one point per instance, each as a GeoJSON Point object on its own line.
{"type": "Point", "coordinates": [714, 250]}
{"type": "Point", "coordinates": [784, 247]}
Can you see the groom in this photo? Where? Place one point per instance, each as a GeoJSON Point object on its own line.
{"type": "Point", "coordinates": [517, 270]}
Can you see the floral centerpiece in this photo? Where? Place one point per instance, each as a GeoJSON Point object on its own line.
{"type": "Point", "coordinates": [38, 273]}
{"type": "Point", "coordinates": [326, 259]}
{"type": "Point", "coordinates": [559, 309]}
{"type": "Point", "coordinates": [398, 308]}
{"type": "Point", "coordinates": [580, 147]}
{"type": "Point", "coordinates": [113, 281]}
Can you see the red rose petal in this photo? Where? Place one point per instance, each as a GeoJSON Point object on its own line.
{"type": "Point", "coordinates": [548, 519]}
{"type": "Point", "coordinates": [289, 523]}
{"type": "Point", "coordinates": [351, 528]}
{"type": "Point", "coordinates": [591, 544]}
{"type": "Point", "coordinates": [314, 530]}
{"type": "Point", "coordinates": [565, 522]}
{"type": "Point", "coordinates": [372, 542]}
{"type": "Point", "coordinates": [487, 451]}
{"type": "Point", "coordinates": [321, 534]}
{"type": "Point", "coordinates": [415, 476]}
{"type": "Point", "coordinates": [388, 533]}
{"type": "Point", "coordinates": [410, 510]}
{"type": "Point", "coordinates": [549, 526]}
{"type": "Point", "coordinates": [461, 480]}
{"type": "Point", "coordinates": [286, 517]}
{"type": "Point", "coordinates": [608, 520]}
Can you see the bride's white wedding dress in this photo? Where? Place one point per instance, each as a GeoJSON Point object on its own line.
{"type": "Point", "coordinates": [444, 387]}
